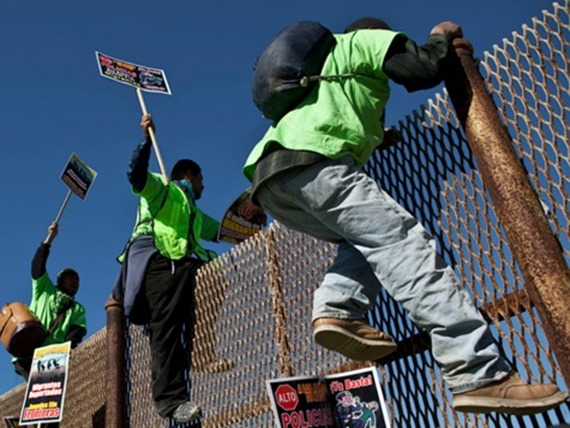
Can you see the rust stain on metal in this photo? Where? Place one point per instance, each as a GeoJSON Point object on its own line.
{"type": "Point", "coordinates": [115, 385]}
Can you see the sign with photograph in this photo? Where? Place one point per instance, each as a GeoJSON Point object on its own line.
{"type": "Point", "coordinates": [45, 392]}
{"type": "Point", "coordinates": [78, 176]}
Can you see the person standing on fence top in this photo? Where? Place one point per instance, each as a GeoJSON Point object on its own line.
{"type": "Point", "coordinates": [306, 172]}
{"type": "Point", "coordinates": [157, 274]}
{"type": "Point", "coordinates": [55, 306]}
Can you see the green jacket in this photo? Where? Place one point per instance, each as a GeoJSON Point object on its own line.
{"type": "Point", "coordinates": [173, 220]}
{"type": "Point", "coordinates": [341, 116]}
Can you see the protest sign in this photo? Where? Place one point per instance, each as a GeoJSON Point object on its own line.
{"type": "Point", "coordinates": [138, 76]}
{"type": "Point", "coordinates": [45, 391]}
{"type": "Point", "coordinates": [300, 401]}
{"type": "Point", "coordinates": [78, 176]}
{"type": "Point", "coordinates": [141, 78]}
{"type": "Point", "coordinates": [242, 219]}
{"type": "Point", "coordinates": [350, 400]}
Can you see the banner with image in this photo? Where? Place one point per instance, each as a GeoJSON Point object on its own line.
{"type": "Point", "coordinates": [78, 176]}
{"type": "Point", "coordinates": [45, 392]}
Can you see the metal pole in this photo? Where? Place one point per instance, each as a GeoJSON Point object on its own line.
{"type": "Point", "coordinates": [115, 385]}
{"type": "Point", "coordinates": [285, 364]}
{"type": "Point", "coordinates": [518, 208]}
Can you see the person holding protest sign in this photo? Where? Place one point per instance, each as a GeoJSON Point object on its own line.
{"type": "Point", "coordinates": [54, 305]}
{"type": "Point", "coordinates": [158, 266]}
{"type": "Point", "coordinates": [307, 173]}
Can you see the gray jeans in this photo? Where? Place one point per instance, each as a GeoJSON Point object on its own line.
{"type": "Point", "coordinates": [381, 245]}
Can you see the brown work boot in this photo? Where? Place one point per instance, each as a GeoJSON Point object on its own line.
{"type": "Point", "coordinates": [510, 395]}
{"type": "Point", "coordinates": [352, 338]}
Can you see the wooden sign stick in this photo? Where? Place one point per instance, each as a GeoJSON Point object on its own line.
{"type": "Point", "coordinates": [63, 205]}
{"type": "Point", "coordinates": [153, 139]}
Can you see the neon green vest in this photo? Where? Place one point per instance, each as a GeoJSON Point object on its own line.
{"type": "Point", "coordinates": [341, 116]}
{"type": "Point", "coordinates": [165, 213]}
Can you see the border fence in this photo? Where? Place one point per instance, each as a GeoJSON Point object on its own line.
{"type": "Point", "coordinates": [484, 167]}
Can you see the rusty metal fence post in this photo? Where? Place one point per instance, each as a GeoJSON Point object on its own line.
{"type": "Point", "coordinates": [532, 242]}
{"type": "Point", "coordinates": [115, 381]}
{"type": "Point", "coordinates": [279, 313]}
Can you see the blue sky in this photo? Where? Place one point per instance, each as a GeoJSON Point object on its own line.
{"type": "Point", "coordinates": [54, 103]}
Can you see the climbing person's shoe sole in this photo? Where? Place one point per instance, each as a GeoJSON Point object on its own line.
{"type": "Point", "coordinates": [352, 338]}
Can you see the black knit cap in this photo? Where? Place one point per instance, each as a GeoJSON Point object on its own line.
{"type": "Point", "coordinates": [64, 272]}
{"type": "Point", "coordinates": [367, 23]}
